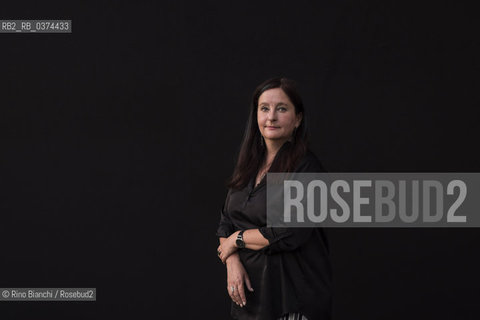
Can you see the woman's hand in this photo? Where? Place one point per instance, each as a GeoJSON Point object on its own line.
{"type": "Point", "coordinates": [227, 247]}
{"type": "Point", "coordinates": [237, 279]}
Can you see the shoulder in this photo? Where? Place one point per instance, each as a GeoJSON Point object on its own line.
{"type": "Point", "coordinates": [310, 163]}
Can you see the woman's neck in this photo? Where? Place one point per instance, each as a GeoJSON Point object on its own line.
{"type": "Point", "coordinates": [272, 147]}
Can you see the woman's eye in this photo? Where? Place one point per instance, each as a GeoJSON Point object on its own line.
{"type": "Point", "coordinates": [264, 108]}
{"type": "Point", "coordinates": [283, 109]}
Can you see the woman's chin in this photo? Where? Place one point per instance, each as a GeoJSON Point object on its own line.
{"type": "Point", "coordinates": [276, 138]}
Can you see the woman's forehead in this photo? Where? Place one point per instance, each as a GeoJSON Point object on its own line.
{"type": "Point", "coordinates": [274, 96]}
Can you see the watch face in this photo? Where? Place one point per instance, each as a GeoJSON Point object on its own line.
{"type": "Point", "coordinates": [240, 243]}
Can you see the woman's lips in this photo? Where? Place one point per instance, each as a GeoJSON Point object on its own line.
{"type": "Point", "coordinates": [272, 128]}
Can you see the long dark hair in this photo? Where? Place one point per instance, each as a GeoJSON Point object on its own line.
{"type": "Point", "coordinates": [253, 151]}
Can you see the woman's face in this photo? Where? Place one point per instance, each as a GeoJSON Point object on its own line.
{"type": "Point", "coordinates": [276, 115]}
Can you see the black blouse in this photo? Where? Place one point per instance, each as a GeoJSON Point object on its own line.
{"type": "Point", "coordinates": [292, 273]}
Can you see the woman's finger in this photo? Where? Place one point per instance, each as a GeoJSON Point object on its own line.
{"type": "Point", "coordinates": [241, 295]}
{"type": "Point", "coordinates": [231, 291]}
{"type": "Point", "coordinates": [236, 294]}
{"type": "Point", "coordinates": [224, 256]}
{"type": "Point", "coordinates": [248, 283]}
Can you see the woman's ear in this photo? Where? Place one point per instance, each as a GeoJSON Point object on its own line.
{"type": "Point", "coordinates": [299, 119]}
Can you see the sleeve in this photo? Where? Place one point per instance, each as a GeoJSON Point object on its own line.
{"type": "Point", "coordinates": [225, 226]}
{"type": "Point", "coordinates": [284, 239]}
{"type": "Point", "coordinates": [289, 239]}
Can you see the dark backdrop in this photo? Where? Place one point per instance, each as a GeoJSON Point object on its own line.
{"type": "Point", "coordinates": [116, 141]}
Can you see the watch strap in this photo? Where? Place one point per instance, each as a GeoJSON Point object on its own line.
{"type": "Point", "coordinates": [240, 242]}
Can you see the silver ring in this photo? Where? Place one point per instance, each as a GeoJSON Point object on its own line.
{"type": "Point", "coordinates": [232, 288]}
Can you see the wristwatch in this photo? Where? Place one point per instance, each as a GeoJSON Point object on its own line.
{"type": "Point", "coordinates": [240, 243]}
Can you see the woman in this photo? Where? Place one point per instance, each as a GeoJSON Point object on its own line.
{"type": "Point", "coordinates": [272, 273]}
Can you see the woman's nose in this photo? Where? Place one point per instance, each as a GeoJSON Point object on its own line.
{"type": "Point", "coordinates": [272, 115]}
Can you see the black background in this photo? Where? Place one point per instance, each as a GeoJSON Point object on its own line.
{"type": "Point", "coordinates": [116, 141]}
